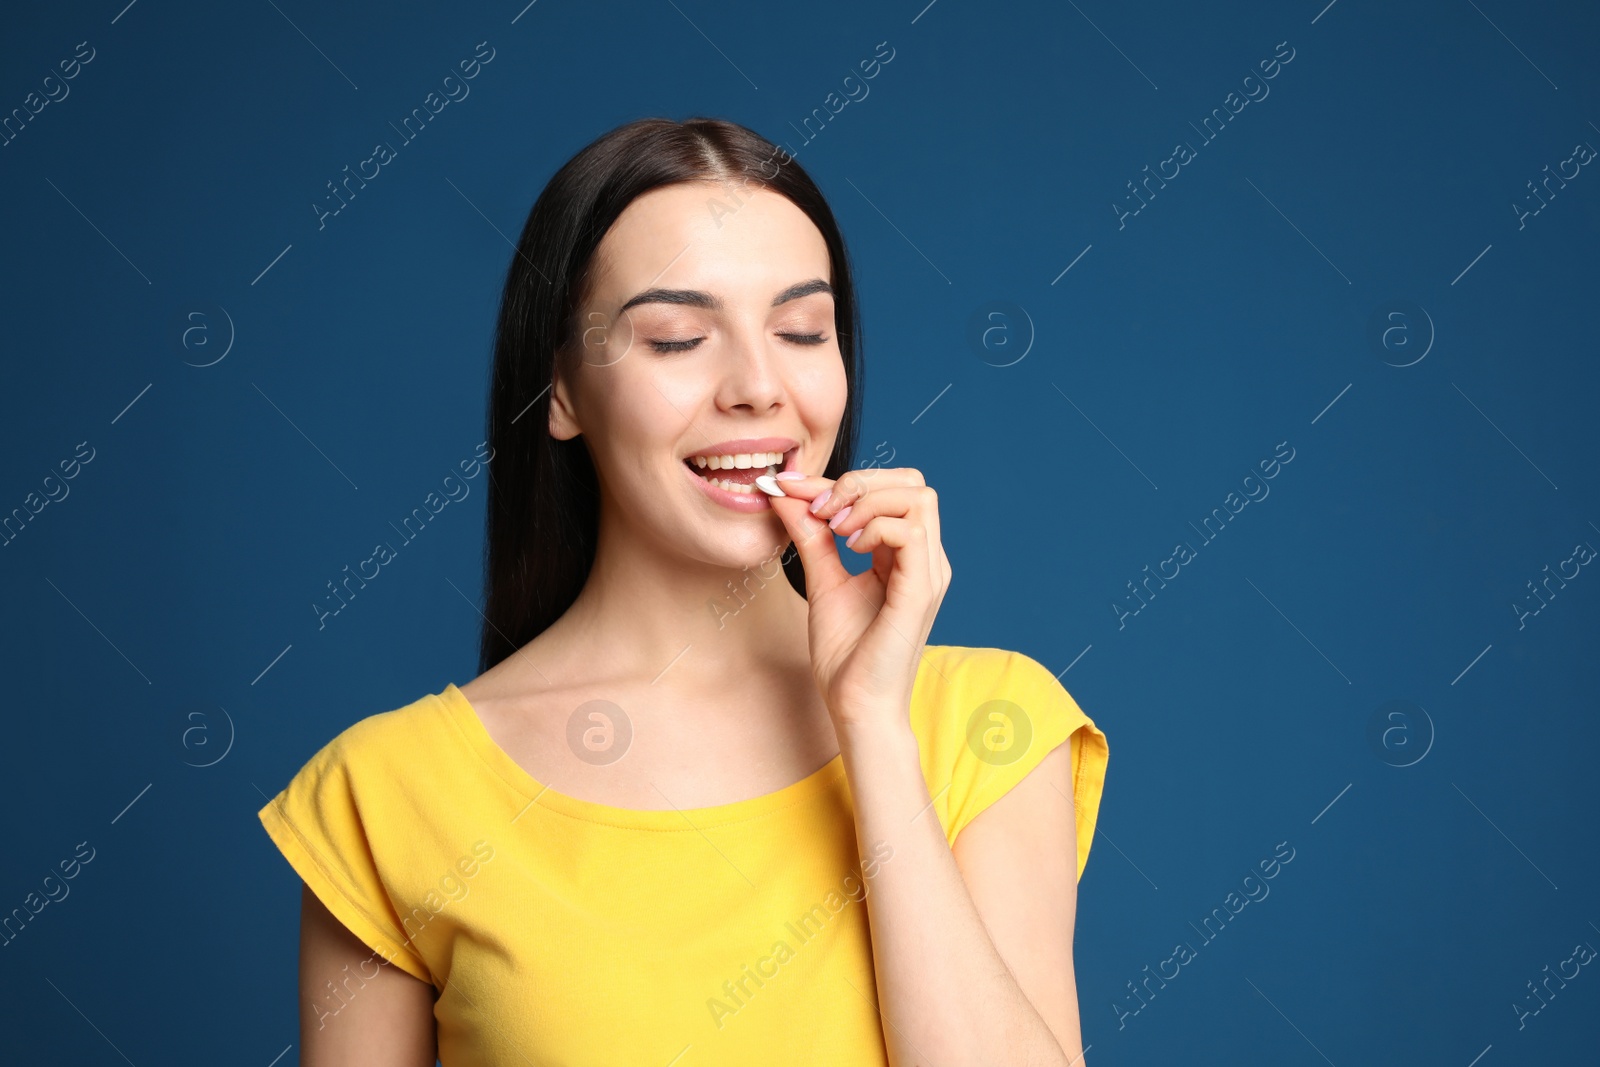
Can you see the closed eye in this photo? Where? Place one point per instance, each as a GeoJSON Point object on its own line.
{"type": "Point", "coordinates": [688, 343]}
{"type": "Point", "coordinates": [675, 346]}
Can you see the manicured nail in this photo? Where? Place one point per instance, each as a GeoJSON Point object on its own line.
{"type": "Point", "coordinates": [850, 542]}
{"type": "Point", "coordinates": [822, 498]}
{"type": "Point", "coordinates": [834, 522]}
{"type": "Point", "coordinates": [791, 476]}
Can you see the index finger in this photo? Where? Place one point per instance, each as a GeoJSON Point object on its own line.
{"type": "Point", "coordinates": [801, 485]}
{"type": "Point", "coordinates": [830, 496]}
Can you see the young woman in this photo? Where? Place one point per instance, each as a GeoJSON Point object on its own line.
{"type": "Point", "coordinates": [712, 799]}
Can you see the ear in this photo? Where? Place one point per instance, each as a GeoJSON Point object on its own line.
{"type": "Point", "coordinates": [563, 418]}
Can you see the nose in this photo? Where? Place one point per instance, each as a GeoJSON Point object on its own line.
{"type": "Point", "coordinates": [751, 374]}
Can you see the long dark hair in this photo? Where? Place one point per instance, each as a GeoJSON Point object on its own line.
{"type": "Point", "coordinates": [544, 500]}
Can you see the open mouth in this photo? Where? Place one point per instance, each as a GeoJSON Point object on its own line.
{"type": "Point", "coordinates": [738, 473]}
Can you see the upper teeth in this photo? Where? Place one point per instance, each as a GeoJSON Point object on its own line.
{"type": "Point", "coordinates": [741, 460]}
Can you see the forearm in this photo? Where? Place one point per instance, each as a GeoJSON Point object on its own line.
{"type": "Point", "coordinates": [946, 996]}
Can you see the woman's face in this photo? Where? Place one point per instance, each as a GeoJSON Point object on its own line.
{"type": "Point", "coordinates": [708, 327]}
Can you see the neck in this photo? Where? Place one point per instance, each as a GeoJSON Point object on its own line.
{"type": "Point", "coordinates": [662, 616]}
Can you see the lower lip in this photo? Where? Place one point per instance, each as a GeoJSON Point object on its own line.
{"type": "Point", "coordinates": [755, 500]}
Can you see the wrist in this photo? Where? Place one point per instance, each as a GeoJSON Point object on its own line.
{"type": "Point", "coordinates": [887, 730]}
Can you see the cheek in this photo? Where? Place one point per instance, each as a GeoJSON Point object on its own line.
{"type": "Point", "coordinates": [821, 392]}
{"type": "Point", "coordinates": [626, 417]}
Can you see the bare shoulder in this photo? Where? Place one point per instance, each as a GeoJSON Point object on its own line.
{"type": "Point", "coordinates": [522, 686]}
{"type": "Point", "coordinates": [375, 1012]}
{"type": "Point", "coordinates": [523, 704]}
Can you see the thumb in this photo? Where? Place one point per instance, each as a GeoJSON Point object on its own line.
{"type": "Point", "coordinates": [819, 555]}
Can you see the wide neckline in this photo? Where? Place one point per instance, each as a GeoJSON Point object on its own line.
{"type": "Point", "coordinates": [476, 735]}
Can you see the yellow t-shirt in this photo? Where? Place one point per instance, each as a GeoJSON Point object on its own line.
{"type": "Point", "coordinates": [565, 932]}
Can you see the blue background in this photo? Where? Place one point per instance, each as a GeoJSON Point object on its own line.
{"type": "Point", "coordinates": [158, 615]}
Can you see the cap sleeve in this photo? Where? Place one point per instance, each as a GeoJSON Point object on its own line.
{"type": "Point", "coordinates": [323, 823]}
{"type": "Point", "coordinates": [989, 717]}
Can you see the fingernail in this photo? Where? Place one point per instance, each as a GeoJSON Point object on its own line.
{"type": "Point", "coordinates": [850, 542]}
{"type": "Point", "coordinates": [834, 522]}
{"type": "Point", "coordinates": [791, 476]}
{"type": "Point", "coordinates": [822, 498]}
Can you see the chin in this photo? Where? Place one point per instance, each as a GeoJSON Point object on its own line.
{"type": "Point", "coordinates": [759, 547]}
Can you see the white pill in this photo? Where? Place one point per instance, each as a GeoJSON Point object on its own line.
{"type": "Point", "coordinates": [768, 484]}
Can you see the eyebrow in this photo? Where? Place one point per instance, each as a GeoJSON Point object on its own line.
{"type": "Point", "coordinates": [700, 299]}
